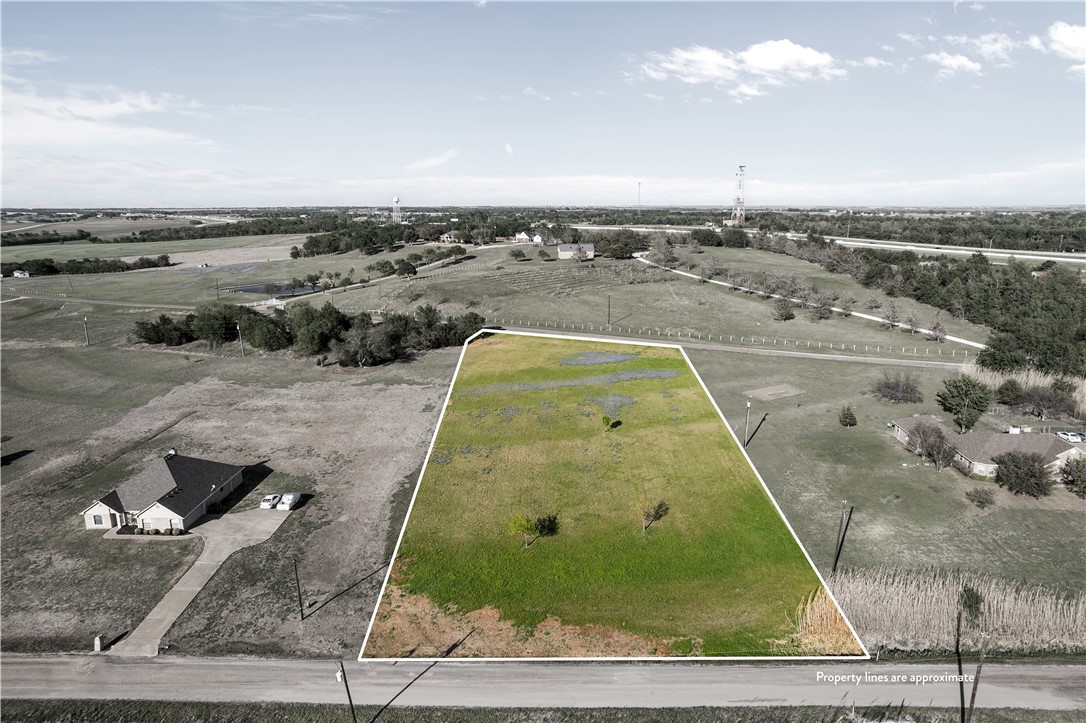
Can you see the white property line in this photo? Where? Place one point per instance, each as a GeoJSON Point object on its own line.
{"type": "Point", "coordinates": [640, 256]}
{"type": "Point", "coordinates": [757, 474]}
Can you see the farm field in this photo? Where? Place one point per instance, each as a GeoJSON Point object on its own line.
{"type": "Point", "coordinates": [104, 228]}
{"type": "Point", "coordinates": [72, 250]}
{"type": "Point", "coordinates": [908, 516]}
{"type": "Point", "coordinates": [717, 573]}
{"type": "Point", "coordinates": [78, 421]}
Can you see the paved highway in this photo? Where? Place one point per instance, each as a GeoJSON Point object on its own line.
{"type": "Point", "coordinates": [530, 685]}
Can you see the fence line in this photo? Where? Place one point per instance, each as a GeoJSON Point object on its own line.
{"type": "Point", "coordinates": [664, 333]}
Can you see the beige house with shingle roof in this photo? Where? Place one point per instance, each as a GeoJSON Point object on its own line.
{"type": "Point", "coordinates": [977, 450]}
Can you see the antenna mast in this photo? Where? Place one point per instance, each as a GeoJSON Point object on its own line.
{"type": "Point", "coordinates": [396, 209]}
{"type": "Point", "coordinates": [739, 214]}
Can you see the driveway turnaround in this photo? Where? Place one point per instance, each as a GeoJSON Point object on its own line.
{"type": "Point", "coordinates": [223, 536]}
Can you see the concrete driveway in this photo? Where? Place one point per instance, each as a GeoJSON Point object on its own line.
{"type": "Point", "coordinates": [223, 535]}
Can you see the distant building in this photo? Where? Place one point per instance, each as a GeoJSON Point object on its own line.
{"type": "Point", "coordinates": [521, 238]}
{"type": "Point", "coordinates": [977, 450]}
{"type": "Point", "coordinates": [171, 493]}
{"type": "Point", "coordinates": [20, 274]}
{"type": "Point", "coordinates": [571, 251]}
{"type": "Point", "coordinates": [449, 237]}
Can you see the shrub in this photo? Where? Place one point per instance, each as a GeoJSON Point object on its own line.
{"type": "Point", "coordinates": [1023, 473]}
{"type": "Point", "coordinates": [981, 497]}
{"type": "Point", "coordinates": [1073, 476]}
{"type": "Point", "coordinates": [1009, 392]}
{"type": "Point", "coordinates": [847, 417]}
{"type": "Point", "coordinates": [898, 387]}
{"type": "Point", "coordinates": [783, 310]}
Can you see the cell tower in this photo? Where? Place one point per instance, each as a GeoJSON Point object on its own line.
{"type": "Point", "coordinates": [739, 213]}
{"type": "Point", "coordinates": [396, 216]}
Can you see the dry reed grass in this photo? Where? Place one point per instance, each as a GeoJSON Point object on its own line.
{"type": "Point", "coordinates": [1027, 378]}
{"type": "Point", "coordinates": [820, 629]}
{"type": "Point", "coordinates": [917, 610]}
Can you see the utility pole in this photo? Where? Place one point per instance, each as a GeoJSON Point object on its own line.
{"type": "Point", "coordinates": [85, 332]}
{"type": "Point", "coordinates": [69, 277]}
{"type": "Point", "coordinates": [639, 198]}
{"type": "Point", "coordinates": [608, 310]}
{"type": "Point", "coordinates": [746, 427]}
{"type": "Point", "coordinates": [216, 289]}
{"type": "Point", "coordinates": [976, 680]}
{"type": "Point", "coordinates": [341, 677]}
{"type": "Point", "coordinates": [241, 341]}
{"type": "Point", "coordinates": [842, 530]}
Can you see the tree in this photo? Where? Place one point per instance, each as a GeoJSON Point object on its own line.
{"type": "Point", "coordinates": [653, 513]}
{"type": "Point", "coordinates": [847, 417]}
{"type": "Point", "coordinates": [606, 422]}
{"type": "Point", "coordinates": [1073, 476]}
{"type": "Point", "coordinates": [847, 305]}
{"type": "Point", "coordinates": [1023, 473]}
{"type": "Point", "coordinates": [694, 245]}
{"type": "Point", "coordinates": [937, 333]}
{"type": "Point", "coordinates": [517, 254]}
{"type": "Point", "coordinates": [898, 387]}
{"type": "Point", "coordinates": [1009, 392]}
{"type": "Point", "coordinates": [965, 398]}
{"type": "Point", "coordinates": [661, 253]}
{"type": "Point", "coordinates": [912, 322]}
{"type": "Point", "coordinates": [713, 267]}
{"type": "Point", "coordinates": [821, 305]}
{"type": "Point", "coordinates": [580, 254]}
{"type": "Point", "coordinates": [533, 529]}
{"type": "Point", "coordinates": [783, 310]}
{"type": "Point", "coordinates": [873, 302]}
{"type": "Point", "coordinates": [891, 316]}
{"type": "Point", "coordinates": [1044, 402]}
{"type": "Point", "coordinates": [405, 268]}
{"type": "Point", "coordinates": [543, 255]}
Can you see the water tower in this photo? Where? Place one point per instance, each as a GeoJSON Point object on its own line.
{"type": "Point", "coordinates": [739, 212]}
{"type": "Point", "coordinates": [396, 216]}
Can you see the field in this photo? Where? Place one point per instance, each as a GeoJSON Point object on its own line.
{"type": "Point", "coordinates": [104, 228]}
{"type": "Point", "coordinates": [72, 250]}
{"type": "Point", "coordinates": [717, 574]}
{"type": "Point", "coordinates": [907, 515]}
{"type": "Point", "coordinates": [81, 420]}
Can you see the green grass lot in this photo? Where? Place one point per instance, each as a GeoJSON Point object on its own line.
{"type": "Point", "coordinates": [141, 711]}
{"type": "Point", "coordinates": [71, 250]}
{"type": "Point", "coordinates": [104, 228]}
{"type": "Point", "coordinates": [720, 567]}
{"type": "Point", "coordinates": [907, 514]}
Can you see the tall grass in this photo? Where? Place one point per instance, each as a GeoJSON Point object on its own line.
{"type": "Point", "coordinates": [820, 629]}
{"type": "Point", "coordinates": [1027, 378]}
{"type": "Point", "coordinates": [918, 609]}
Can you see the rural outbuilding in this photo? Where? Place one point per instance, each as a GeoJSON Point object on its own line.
{"type": "Point", "coordinates": [171, 493]}
{"type": "Point", "coordinates": [581, 252]}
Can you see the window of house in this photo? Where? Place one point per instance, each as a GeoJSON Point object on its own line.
{"type": "Point", "coordinates": [146, 524]}
{"type": "Point", "coordinates": [97, 519]}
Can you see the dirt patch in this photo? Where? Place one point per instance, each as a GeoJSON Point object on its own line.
{"type": "Point", "coordinates": [612, 403]}
{"type": "Point", "coordinates": [779, 391]}
{"type": "Point", "coordinates": [590, 358]}
{"type": "Point", "coordinates": [226, 257]}
{"type": "Point", "coordinates": [614, 377]}
{"type": "Point", "coordinates": [412, 626]}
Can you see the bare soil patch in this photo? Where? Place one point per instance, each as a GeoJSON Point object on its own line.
{"type": "Point", "coordinates": [412, 626]}
{"type": "Point", "coordinates": [777, 391]}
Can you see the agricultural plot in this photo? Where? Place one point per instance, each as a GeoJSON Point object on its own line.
{"type": "Point", "coordinates": [584, 499]}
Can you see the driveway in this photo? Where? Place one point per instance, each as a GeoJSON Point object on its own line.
{"type": "Point", "coordinates": [223, 535]}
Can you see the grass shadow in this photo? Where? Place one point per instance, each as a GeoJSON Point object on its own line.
{"type": "Point", "coordinates": [13, 456]}
{"type": "Point", "coordinates": [344, 591]}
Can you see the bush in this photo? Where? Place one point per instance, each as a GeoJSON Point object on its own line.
{"type": "Point", "coordinates": [1009, 392]}
{"type": "Point", "coordinates": [1073, 476]}
{"type": "Point", "coordinates": [783, 310]}
{"type": "Point", "coordinates": [898, 387]}
{"type": "Point", "coordinates": [847, 417]}
{"type": "Point", "coordinates": [1023, 473]}
{"type": "Point", "coordinates": [981, 497]}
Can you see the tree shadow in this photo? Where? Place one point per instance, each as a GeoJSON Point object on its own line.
{"type": "Point", "coordinates": [13, 456]}
{"type": "Point", "coordinates": [344, 591]}
{"type": "Point", "coordinates": [616, 424]}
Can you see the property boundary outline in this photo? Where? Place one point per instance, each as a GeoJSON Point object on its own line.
{"type": "Point", "coordinates": [610, 659]}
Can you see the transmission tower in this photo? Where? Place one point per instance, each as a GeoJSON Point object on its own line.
{"type": "Point", "coordinates": [739, 214]}
{"type": "Point", "coordinates": [396, 209]}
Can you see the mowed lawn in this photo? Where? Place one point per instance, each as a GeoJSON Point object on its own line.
{"type": "Point", "coordinates": [721, 567]}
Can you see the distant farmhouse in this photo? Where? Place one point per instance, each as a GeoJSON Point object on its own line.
{"type": "Point", "coordinates": [20, 274]}
{"type": "Point", "coordinates": [977, 450]}
{"type": "Point", "coordinates": [171, 493]}
{"type": "Point", "coordinates": [523, 238]}
{"type": "Point", "coordinates": [570, 251]}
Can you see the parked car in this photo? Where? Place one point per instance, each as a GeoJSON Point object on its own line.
{"type": "Point", "coordinates": [1072, 437]}
{"type": "Point", "coordinates": [269, 502]}
{"type": "Point", "coordinates": [289, 501]}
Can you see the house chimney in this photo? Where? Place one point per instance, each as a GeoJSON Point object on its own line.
{"type": "Point", "coordinates": [171, 453]}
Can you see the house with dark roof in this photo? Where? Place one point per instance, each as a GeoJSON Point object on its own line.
{"type": "Point", "coordinates": [171, 493]}
{"type": "Point", "coordinates": [977, 450]}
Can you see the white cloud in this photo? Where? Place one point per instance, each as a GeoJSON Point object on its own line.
{"type": "Point", "coordinates": [951, 65]}
{"type": "Point", "coordinates": [653, 96]}
{"type": "Point", "coordinates": [1069, 41]}
{"type": "Point", "coordinates": [1035, 43]}
{"type": "Point", "coordinates": [991, 46]}
{"type": "Point", "coordinates": [295, 16]}
{"type": "Point", "coordinates": [433, 161]}
{"type": "Point", "coordinates": [869, 62]}
{"type": "Point", "coordinates": [533, 93]}
{"type": "Point", "coordinates": [705, 100]}
{"type": "Point", "coordinates": [30, 57]}
{"type": "Point", "coordinates": [745, 74]}
{"type": "Point", "coordinates": [886, 48]}
{"type": "Point", "coordinates": [91, 115]}
{"type": "Point", "coordinates": [911, 39]}
{"type": "Point", "coordinates": [509, 148]}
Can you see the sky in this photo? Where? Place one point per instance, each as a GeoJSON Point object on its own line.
{"type": "Point", "coordinates": [183, 104]}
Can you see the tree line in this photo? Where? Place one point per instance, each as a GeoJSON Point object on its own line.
{"type": "Point", "coordinates": [46, 237]}
{"type": "Point", "coordinates": [308, 331]}
{"type": "Point", "coordinates": [49, 267]}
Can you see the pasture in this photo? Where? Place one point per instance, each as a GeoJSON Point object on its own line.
{"type": "Point", "coordinates": [525, 434]}
{"type": "Point", "coordinates": [72, 250]}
